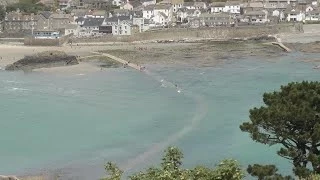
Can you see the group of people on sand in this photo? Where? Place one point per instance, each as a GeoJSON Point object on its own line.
{"type": "Point", "coordinates": [141, 48]}
{"type": "Point", "coordinates": [141, 68]}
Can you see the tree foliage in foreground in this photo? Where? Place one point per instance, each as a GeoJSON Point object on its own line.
{"type": "Point", "coordinates": [290, 118]}
{"type": "Point", "coordinates": [2, 13]}
{"type": "Point", "coordinates": [266, 172]}
{"type": "Point", "coordinates": [170, 169]}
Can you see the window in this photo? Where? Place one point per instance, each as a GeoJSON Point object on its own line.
{"type": "Point", "coordinates": [125, 32]}
{"type": "Point", "coordinates": [125, 27]}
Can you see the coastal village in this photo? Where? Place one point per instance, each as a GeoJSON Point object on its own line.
{"type": "Point", "coordinates": [94, 18]}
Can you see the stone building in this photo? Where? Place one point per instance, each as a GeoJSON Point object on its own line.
{"type": "Point", "coordinates": [49, 21]}
{"type": "Point", "coordinates": [18, 22]}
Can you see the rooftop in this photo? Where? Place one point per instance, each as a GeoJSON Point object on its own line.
{"type": "Point", "coordinates": [218, 4]}
{"type": "Point", "coordinates": [233, 3]}
{"type": "Point", "coordinates": [93, 21]}
{"type": "Point", "coordinates": [255, 13]}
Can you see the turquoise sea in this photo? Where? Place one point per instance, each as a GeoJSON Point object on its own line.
{"type": "Point", "coordinates": [74, 124]}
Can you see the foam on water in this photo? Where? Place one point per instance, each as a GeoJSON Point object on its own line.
{"type": "Point", "coordinates": [200, 113]}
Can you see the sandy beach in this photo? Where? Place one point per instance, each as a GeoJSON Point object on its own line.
{"type": "Point", "coordinates": [11, 53]}
{"type": "Point", "coordinates": [210, 53]}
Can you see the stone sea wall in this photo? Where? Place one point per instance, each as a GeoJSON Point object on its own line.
{"type": "Point", "coordinates": [31, 41]}
{"type": "Point", "coordinates": [218, 33]}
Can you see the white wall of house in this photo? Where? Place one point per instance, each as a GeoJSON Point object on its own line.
{"type": "Point", "coordinates": [313, 17]}
{"type": "Point", "coordinates": [117, 2]}
{"type": "Point", "coordinates": [217, 9]}
{"type": "Point", "coordinates": [93, 16]}
{"type": "Point", "coordinates": [190, 7]}
{"type": "Point", "coordinates": [314, 3]}
{"type": "Point", "coordinates": [296, 16]}
{"type": "Point", "coordinates": [309, 8]}
{"type": "Point", "coordinates": [176, 7]}
{"type": "Point", "coordinates": [70, 31]}
{"type": "Point", "coordinates": [181, 15]}
{"type": "Point", "coordinates": [139, 22]}
{"type": "Point", "coordinates": [276, 13]}
{"type": "Point", "coordinates": [147, 14]}
{"type": "Point", "coordinates": [233, 9]}
{"type": "Point", "coordinates": [167, 12]}
{"type": "Point", "coordinates": [159, 19]}
{"type": "Point", "coordinates": [121, 28]}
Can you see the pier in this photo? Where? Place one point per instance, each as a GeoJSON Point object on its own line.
{"type": "Point", "coordinates": [124, 62]}
{"type": "Point", "coordinates": [281, 45]}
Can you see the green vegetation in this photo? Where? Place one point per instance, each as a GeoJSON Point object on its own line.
{"type": "Point", "coordinates": [2, 13]}
{"type": "Point", "coordinates": [290, 119]}
{"type": "Point", "coordinates": [28, 6]}
{"type": "Point", "coordinates": [170, 169]}
{"type": "Point", "coordinates": [266, 172]}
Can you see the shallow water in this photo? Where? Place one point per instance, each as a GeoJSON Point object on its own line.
{"type": "Point", "coordinates": [76, 123]}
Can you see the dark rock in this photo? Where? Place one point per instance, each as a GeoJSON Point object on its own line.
{"type": "Point", "coordinates": [45, 59]}
{"type": "Point", "coordinates": [262, 38]}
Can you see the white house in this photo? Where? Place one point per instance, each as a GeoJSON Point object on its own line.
{"type": "Point", "coordinates": [217, 7]}
{"type": "Point", "coordinates": [122, 28]}
{"type": "Point", "coordinates": [64, 4]}
{"type": "Point", "coordinates": [117, 2]}
{"type": "Point", "coordinates": [139, 21]}
{"type": "Point", "coordinates": [183, 14]}
{"type": "Point", "coordinates": [279, 14]}
{"type": "Point", "coordinates": [148, 11]}
{"type": "Point", "coordinates": [314, 3]}
{"type": "Point", "coordinates": [232, 7]}
{"type": "Point", "coordinates": [257, 17]}
{"type": "Point", "coordinates": [165, 9]}
{"type": "Point", "coordinates": [309, 8]}
{"type": "Point", "coordinates": [160, 19]}
{"type": "Point", "coordinates": [313, 15]}
{"type": "Point", "coordinates": [295, 15]}
{"type": "Point", "coordinates": [158, 12]}
{"type": "Point", "coordinates": [72, 28]}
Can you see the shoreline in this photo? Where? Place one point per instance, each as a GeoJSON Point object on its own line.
{"type": "Point", "coordinates": [295, 41]}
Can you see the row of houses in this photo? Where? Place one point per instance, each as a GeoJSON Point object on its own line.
{"type": "Point", "coordinates": [138, 16]}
